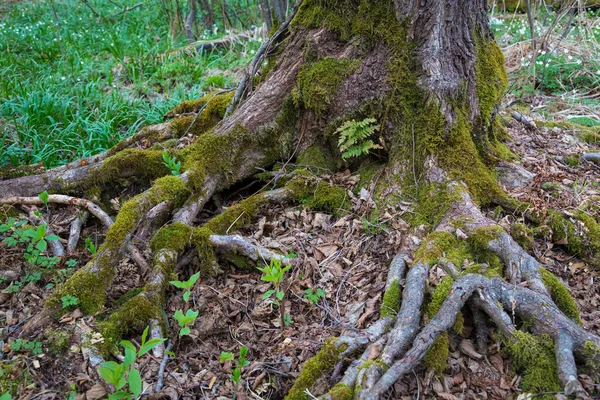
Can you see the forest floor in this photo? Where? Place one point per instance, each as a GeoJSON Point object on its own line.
{"type": "Point", "coordinates": [346, 256]}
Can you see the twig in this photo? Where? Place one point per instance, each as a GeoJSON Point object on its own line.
{"type": "Point", "coordinates": [163, 366]}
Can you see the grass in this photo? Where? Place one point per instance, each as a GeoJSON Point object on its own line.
{"type": "Point", "coordinates": [75, 88]}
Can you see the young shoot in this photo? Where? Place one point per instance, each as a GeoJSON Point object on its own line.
{"type": "Point", "coordinates": [236, 373]}
{"type": "Point", "coordinates": [172, 163]}
{"type": "Point", "coordinates": [125, 373]}
{"type": "Point", "coordinates": [275, 273]}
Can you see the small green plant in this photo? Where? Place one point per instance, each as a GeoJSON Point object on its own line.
{"type": "Point", "coordinates": [184, 320]}
{"type": "Point", "coordinates": [354, 135]}
{"type": "Point", "coordinates": [35, 240]}
{"type": "Point", "coordinates": [6, 396]}
{"type": "Point", "coordinates": [186, 285]}
{"type": "Point", "coordinates": [275, 273]}
{"type": "Point", "coordinates": [14, 287]}
{"type": "Point", "coordinates": [314, 296]}
{"type": "Point", "coordinates": [90, 246]}
{"type": "Point", "coordinates": [25, 346]}
{"type": "Point", "coordinates": [69, 301]}
{"type": "Point", "coordinates": [236, 373]}
{"type": "Point", "coordinates": [121, 374]}
{"type": "Point", "coordinates": [44, 197]}
{"type": "Point", "coordinates": [172, 163]}
{"type": "Point", "coordinates": [71, 263]}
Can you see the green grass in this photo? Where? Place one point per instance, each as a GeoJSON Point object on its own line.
{"type": "Point", "coordinates": [75, 89]}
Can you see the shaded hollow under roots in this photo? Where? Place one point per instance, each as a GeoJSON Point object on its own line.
{"type": "Point", "coordinates": [433, 83]}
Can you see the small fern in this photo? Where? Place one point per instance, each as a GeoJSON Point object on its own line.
{"type": "Point", "coordinates": [354, 135]}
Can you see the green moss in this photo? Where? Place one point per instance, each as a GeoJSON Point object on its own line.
{"type": "Point", "coordinates": [320, 196]}
{"type": "Point", "coordinates": [341, 392]}
{"type": "Point", "coordinates": [317, 156]}
{"type": "Point", "coordinates": [210, 116]}
{"type": "Point", "coordinates": [572, 161]}
{"type": "Point", "coordinates": [433, 201]}
{"type": "Point", "coordinates": [236, 216]}
{"type": "Point", "coordinates": [390, 304]}
{"type": "Point", "coordinates": [533, 357]}
{"type": "Point", "coordinates": [491, 78]}
{"type": "Point", "coordinates": [560, 295]}
{"type": "Point", "coordinates": [482, 236]}
{"type": "Point", "coordinates": [206, 252]}
{"type": "Point", "coordinates": [564, 231]}
{"type": "Point", "coordinates": [318, 82]}
{"type": "Point", "coordinates": [13, 379]}
{"type": "Point", "coordinates": [592, 232]}
{"type": "Point", "coordinates": [88, 287]}
{"type": "Point", "coordinates": [522, 235]}
{"type": "Point", "coordinates": [436, 357]}
{"type": "Point", "coordinates": [57, 341]}
{"type": "Point", "coordinates": [147, 164]}
{"type": "Point", "coordinates": [440, 244]}
{"type": "Point", "coordinates": [439, 295]}
{"type": "Point", "coordinates": [590, 137]}
{"type": "Point", "coordinates": [315, 368]}
{"type": "Point", "coordinates": [133, 316]}
{"type": "Point", "coordinates": [591, 353]}
{"type": "Point", "coordinates": [173, 237]}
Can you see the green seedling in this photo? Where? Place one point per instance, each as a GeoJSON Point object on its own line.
{"type": "Point", "coordinates": [25, 346]}
{"type": "Point", "coordinates": [69, 301]}
{"type": "Point", "coordinates": [275, 273]}
{"type": "Point", "coordinates": [125, 373]}
{"type": "Point", "coordinates": [172, 163]}
{"type": "Point", "coordinates": [314, 296]}
{"type": "Point", "coordinates": [186, 285]}
{"type": "Point", "coordinates": [90, 246]}
{"type": "Point", "coordinates": [184, 320]}
{"type": "Point", "coordinates": [236, 373]}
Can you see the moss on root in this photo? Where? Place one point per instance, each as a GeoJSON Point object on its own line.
{"type": "Point", "coordinates": [320, 196]}
{"type": "Point", "coordinates": [145, 164]}
{"type": "Point", "coordinates": [442, 244]}
{"type": "Point", "coordinates": [133, 316]}
{"type": "Point", "coordinates": [211, 115]}
{"type": "Point", "coordinates": [591, 354]}
{"type": "Point", "coordinates": [390, 305]}
{"type": "Point", "coordinates": [341, 391]}
{"type": "Point", "coordinates": [522, 235]}
{"type": "Point", "coordinates": [560, 295]}
{"type": "Point", "coordinates": [533, 356]}
{"type": "Point", "coordinates": [315, 368]}
{"type": "Point", "coordinates": [173, 237]}
{"type": "Point", "coordinates": [436, 357]}
{"type": "Point", "coordinates": [317, 156]}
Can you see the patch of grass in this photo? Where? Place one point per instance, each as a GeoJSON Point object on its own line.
{"type": "Point", "coordinates": [74, 89]}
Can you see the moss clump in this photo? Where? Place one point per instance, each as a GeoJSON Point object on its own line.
{"type": "Point", "coordinates": [133, 316]}
{"type": "Point", "coordinates": [173, 237]}
{"type": "Point", "coordinates": [57, 341]}
{"type": "Point", "coordinates": [591, 354]}
{"type": "Point", "coordinates": [236, 216]}
{"type": "Point", "coordinates": [390, 304]}
{"type": "Point", "coordinates": [482, 236]}
{"type": "Point", "coordinates": [317, 156]}
{"type": "Point", "coordinates": [341, 392]}
{"type": "Point", "coordinates": [210, 116]}
{"type": "Point", "coordinates": [146, 164]}
{"type": "Point", "coordinates": [560, 295]}
{"type": "Point", "coordinates": [491, 78]}
{"type": "Point", "coordinates": [564, 231]}
{"type": "Point", "coordinates": [206, 251]}
{"type": "Point", "coordinates": [436, 357]}
{"type": "Point", "coordinates": [320, 196]}
{"type": "Point", "coordinates": [533, 356]}
{"type": "Point", "coordinates": [87, 286]}
{"type": "Point", "coordinates": [440, 244]}
{"type": "Point", "coordinates": [13, 379]}
{"type": "Point", "coordinates": [315, 368]}
{"type": "Point", "coordinates": [590, 137]}
{"type": "Point", "coordinates": [439, 295]}
{"type": "Point", "coordinates": [522, 235]}
{"type": "Point", "coordinates": [572, 161]}
{"type": "Point", "coordinates": [433, 200]}
{"type": "Point", "coordinates": [592, 232]}
{"type": "Point", "coordinates": [318, 82]}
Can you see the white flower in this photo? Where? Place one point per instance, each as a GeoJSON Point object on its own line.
{"type": "Point", "coordinates": [566, 51]}
{"type": "Point", "coordinates": [570, 58]}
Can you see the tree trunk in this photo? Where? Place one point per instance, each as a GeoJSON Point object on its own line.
{"type": "Point", "coordinates": [431, 75]}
